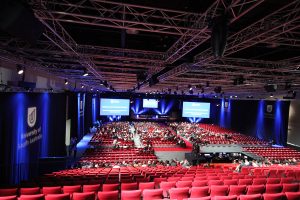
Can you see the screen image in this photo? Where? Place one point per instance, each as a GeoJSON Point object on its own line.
{"type": "Point", "coordinates": [150, 103]}
{"type": "Point", "coordinates": [114, 107]}
{"type": "Point", "coordinates": [196, 109]}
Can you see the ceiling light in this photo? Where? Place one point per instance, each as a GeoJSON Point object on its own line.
{"type": "Point", "coordinates": [92, 89]}
{"type": "Point", "coordinates": [66, 82]}
{"type": "Point", "coordinates": [85, 73]}
{"type": "Point", "coordinates": [20, 69]}
{"type": "Point", "coordinates": [271, 95]}
{"type": "Point", "coordinates": [82, 86]}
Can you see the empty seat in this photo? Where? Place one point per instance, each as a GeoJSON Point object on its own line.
{"type": "Point", "coordinates": [131, 194]}
{"type": "Point", "coordinates": [149, 194]}
{"type": "Point", "coordinates": [232, 197]}
{"type": "Point", "coordinates": [8, 197]}
{"type": "Point", "coordinates": [181, 184]}
{"type": "Point", "coordinates": [129, 186]}
{"type": "Point", "coordinates": [84, 196]}
{"type": "Point", "coordinates": [290, 187]}
{"type": "Point", "coordinates": [29, 191]}
{"type": "Point", "coordinates": [255, 189]}
{"type": "Point", "coordinates": [165, 186]}
{"type": "Point", "coordinates": [70, 189]}
{"type": "Point", "coordinates": [250, 197]}
{"type": "Point", "coordinates": [157, 181]}
{"type": "Point", "coordinates": [218, 190]}
{"type": "Point", "coordinates": [273, 180]}
{"type": "Point", "coordinates": [230, 182]}
{"type": "Point", "coordinates": [292, 195]}
{"type": "Point", "coordinates": [199, 192]}
{"type": "Point", "coordinates": [8, 192]}
{"type": "Point", "coordinates": [51, 190]}
{"type": "Point", "coordinates": [179, 193]}
{"type": "Point", "coordinates": [200, 198]}
{"type": "Point", "coordinates": [110, 187]}
{"type": "Point", "coordinates": [187, 179]}
{"type": "Point", "coordinates": [57, 197]}
{"type": "Point", "coordinates": [91, 188]}
{"type": "Point", "coordinates": [108, 195]}
{"type": "Point", "coordinates": [245, 181]}
{"type": "Point", "coordinates": [278, 196]}
{"type": "Point", "coordinates": [149, 185]}
{"type": "Point", "coordinates": [287, 180]}
{"type": "Point", "coordinates": [273, 188]}
{"type": "Point", "coordinates": [32, 197]}
{"type": "Point", "coordinates": [215, 182]}
{"type": "Point", "coordinates": [199, 183]}
{"type": "Point", "coordinates": [259, 181]}
{"type": "Point", "coordinates": [237, 189]}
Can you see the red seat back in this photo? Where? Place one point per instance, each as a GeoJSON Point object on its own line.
{"type": "Point", "coordinates": [199, 192]}
{"type": "Point", "coordinates": [32, 197]}
{"type": "Point", "coordinates": [179, 193]}
{"type": "Point", "coordinates": [91, 188]}
{"type": "Point", "coordinates": [278, 196]}
{"type": "Point", "coordinates": [9, 192]}
{"type": "Point", "coordinates": [29, 191]}
{"type": "Point", "coordinates": [131, 194]}
{"type": "Point", "coordinates": [9, 197]}
{"type": "Point", "coordinates": [57, 197]}
{"type": "Point", "coordinates": [149, 194]}
{"type": "Point", "coordinates": [51, 190]}
{"type": "Point", "coordinates": [70, 189]}
{"type": "Point", "coordinates": [110, 187]}
{"type": "Point", "coordinates": [292, 195]}
{"type": "Point", "coordinates": [84, 196]}
{"type": "Point", "coordinates": [108, 195]}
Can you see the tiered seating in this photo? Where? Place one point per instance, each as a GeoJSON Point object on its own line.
{"type": "Point", "coordinates": [117, 155]}
{"type": "Point", "coordinates": [168, 182]}
{"type": "Point", "coordinates": [281, 153]}
{"type": "Point", "coordinates": [157, 135]}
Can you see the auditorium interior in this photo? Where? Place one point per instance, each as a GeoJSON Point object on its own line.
{"type": "Point", "coordinates": [146, 100]}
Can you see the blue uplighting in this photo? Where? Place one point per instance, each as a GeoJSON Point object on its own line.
{"type": "Point", "coordinates": [44, 123]}
{"type": "Point", "coordinates": [94, 109]}
{"type": "Point", "coordinates": [164, 108]}
{"type": "Point", "coordinates": [194, 119]}
{"type": "Point", "coordinates": [225, 114]}
{"type": "Point", "coordinates": [278, 125]}
{"type": "Point", "coordinates": [260, 120]}
{"type": "Point", "coordinates": [136, 107]}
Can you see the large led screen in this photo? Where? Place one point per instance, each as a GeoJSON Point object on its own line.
{"type": "Point", "coordinates": [196, 109]}
{"type": "Point", "coordinates": [114, 107]}
{"type": "Point", "coordinates": [150, 103]}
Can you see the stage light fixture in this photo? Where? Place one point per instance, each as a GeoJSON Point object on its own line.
{"type": "Point", "coordinates": [66, 82]}
{"type": "Point", "coordinates": [271, 95]}
{"type": "Point", "coordinates": [92, 89]}
{"type": "Point", "coordinates": [20, 69]}
{"type": "Point", "coordinates": [85, 73]}
{"type": "Point", "coordinates": [82, 86]}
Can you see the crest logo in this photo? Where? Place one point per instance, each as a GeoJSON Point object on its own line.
{"type": "Point", "coordinates": [269, 108]}
{"type": "Point", "coordinates": [31, 116]}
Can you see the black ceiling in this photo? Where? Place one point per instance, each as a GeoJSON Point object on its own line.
{"type": "Point", "coordinates": [169, 41]}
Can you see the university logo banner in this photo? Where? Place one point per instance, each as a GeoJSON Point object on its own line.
{"type": "Point", "coordinates": [31, 116]}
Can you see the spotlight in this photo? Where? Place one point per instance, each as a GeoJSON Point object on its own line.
{"type": "Point", "coordinates": [20, 69]}
{"type": "Point", "coordinates": [92, 89]}
{"type": "Point", "coordinates": [82, 86]}
{"type": "Point", "coordinates": [271, 95]}
{"type": "Point", "coordinates": [85, 73]}
{"type": "Point", "coordinates": [66, 82]}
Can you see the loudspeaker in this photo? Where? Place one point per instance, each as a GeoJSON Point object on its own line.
{"type": "Point", "coordinates": [18, 20]}
{"type": "Point", "coordinates": [219, 35]}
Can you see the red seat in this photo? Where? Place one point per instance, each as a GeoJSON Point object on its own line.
{"type": "Point", "coordinates": [51, 190]}
{"type": "Point", "coordinates": [32, 197]}
{"type": "Point", "coordinates": [181, 184]}
{"type": "Point", "coordinates": [29, 191]}
{"type": "Point", "coordinates": [287, 180]}
{"type": "Point", "coordinates": [84, 196]}
{"type": "Point", "coordinates": [255, 189]}
{"type": "Point", "coordinates": [237, 189]}
{"type": "Point", "coordinates": [199, 192]}
{"type": "Point", "coordinates": [149, 194]}
{"type": "Point", "coordinates": [232, 197]}
{"type": "Point", "coordinates": [292, 195]}
{"type": "Point", "coordinates": [131, 194]}
{"type": "Point", "coordinates": [245, 181]}
{"type": "Point", "coordinates": [57, 197]}
{"type": "Point", "coordinates": [273, 188]}
{"type": "Point", "coordinates": [108, 195]}
{"type": "Point", "coordinates": [8, 197]}
{"type": "Point", "coordinates": [278, 196]}
{"type": "Point", "coordinates": [8, 192]}
{"type": "Point", "coordinates": [250, 197]}
{"type": "Point", "coordinates": [230, 182]}
{"type": "Point", "coordinates": [290, 187]}
{"type": "Point", "coordinates": [187, 179]}
{"type": "Point", "coordinates": [200, 198]}
{"type": "Point", "coordinates": [215, 182]}
{"type": "Point", "coordinates": [165, 186]}
{"type": "Point", "coordinates": [149, 185]}
{"type": "Point", "coordinates": [179, 193]}
{"type": "Point", "coordinates": [110, 187]}
{"type": "Point", "coordinates": [91, 188]}
{"type": "Point", "coordinates": [157, 181]}
{"type": "Point", "coordinates": [129, 186]}
{"type": "Point", "coordinates": [273, 180]}
{"type": "Point", "coordinates": [199, 183]}
{"type": "Point", "coordinates": [259, 181]}
{"type": "Point", "coordinates": [218, 190]}
{"type": "Point", "coordinates": [70, 189]}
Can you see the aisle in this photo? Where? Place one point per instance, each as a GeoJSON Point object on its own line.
{"type": "Point", "coordinates": [137, 141]}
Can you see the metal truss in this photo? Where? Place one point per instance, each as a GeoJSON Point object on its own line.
{"type": "Point", "coordinates": [59, 36]}
{"type": "Point", "coordinates": [120, 15]}
{"type": "Point", "coordinates": [282, 21]}
{"type": "Point", "coordinates": [275, 24]}
{"type": "Point", "coordinates": [194, 38]}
